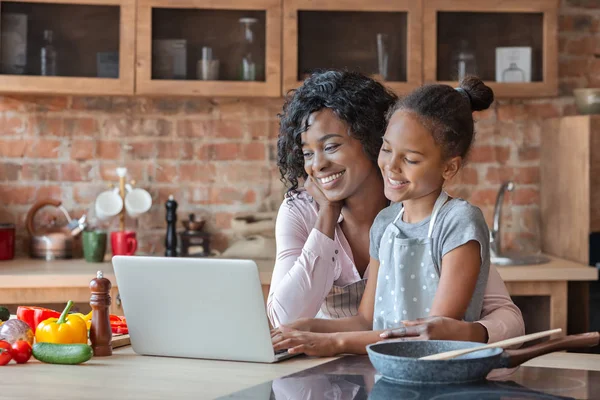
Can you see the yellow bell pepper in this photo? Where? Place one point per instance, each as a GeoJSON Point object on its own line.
{"type": "Point", "coordinates": [66, 329]}
{"type": "Point", "coordinates": [87, 318]}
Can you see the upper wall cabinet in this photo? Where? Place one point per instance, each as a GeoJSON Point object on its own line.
{"type": "Point", "coordinates": [67, 46]}
{"type": "Point", "coordinates": [511, 44]}
{"type": "Point", "coordinates": [209, 47]}
{"type": "Point", "coordinates": [380, 38]}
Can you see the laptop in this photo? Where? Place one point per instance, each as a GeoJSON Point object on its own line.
{"type": "Point", "coordinates": [195, 308]}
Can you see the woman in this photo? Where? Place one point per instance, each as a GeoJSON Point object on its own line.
{"type": "Point", "coordinates": [322, 231]}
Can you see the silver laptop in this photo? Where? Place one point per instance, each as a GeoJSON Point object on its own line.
{"type": "Point", "coordinates": [195, 308]}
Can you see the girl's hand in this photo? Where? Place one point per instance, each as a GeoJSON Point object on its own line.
{"type": "Point", "coordinates": [312, 187]}
{"type": "Point", "coordinates": [438, 328]}
{"type": "Point", "coordinates": [309, 343]}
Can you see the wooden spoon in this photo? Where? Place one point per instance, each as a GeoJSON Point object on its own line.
{"type": "Point", "coordinates": [501, 344]}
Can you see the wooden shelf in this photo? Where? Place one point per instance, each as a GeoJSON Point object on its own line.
{"type": "Point", "coordinates": [81, 30]}
{"type": "Point", "coordinates": [325, 34]}
{"type": "Point", "coordinates": [214, 24]}
{"type": "Point", "coordinates": [488, 25]}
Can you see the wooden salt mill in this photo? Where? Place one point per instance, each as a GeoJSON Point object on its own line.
{"type": "Point", "coordinates": [100, 331]}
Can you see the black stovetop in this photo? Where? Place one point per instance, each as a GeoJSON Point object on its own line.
{"type": "Point", "coordinates": [354, 378]}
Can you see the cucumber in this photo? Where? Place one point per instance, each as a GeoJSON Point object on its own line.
{"type": "Point", "coordinates": [54, 353]}
{"type": "Point", "coordinates": [4, 314]}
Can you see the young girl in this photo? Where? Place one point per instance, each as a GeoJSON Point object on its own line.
{"type": "Point", "coordinates": [430, 253]}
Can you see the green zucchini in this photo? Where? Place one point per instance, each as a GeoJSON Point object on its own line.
{"type": "Point", "coordinates": [54, 353]}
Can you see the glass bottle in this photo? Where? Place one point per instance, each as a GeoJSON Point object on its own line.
{"type": "Point", "coordinates": [48, 55]}
{"type": "Point", "coordinates": [464, 60]}
{"type": "Point", "coordinates": [513, 74]}
{"type": "Point", "coordinates": [250, 50]}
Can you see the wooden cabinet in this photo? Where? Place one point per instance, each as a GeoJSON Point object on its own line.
{"type": "Point", "coordinates": [174, 36]}
{"type": "Point", "coordinates": [201, 47]}
{"type": "Point", "coordinates": [67, 46]}
{"type": "Point", "coordinates": [379, 38]}
{"type": "Point", "coordinates": [464, 35]}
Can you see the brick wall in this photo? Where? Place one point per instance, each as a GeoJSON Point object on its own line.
{"type": "Point", "coordinates": [216, 156]}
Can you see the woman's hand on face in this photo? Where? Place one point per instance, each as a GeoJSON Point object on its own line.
{"type": "Point", "coordinates": [437, 328]}
{"type": "Point", "coordinates": [315, 191]}
{"type": "Point", "coordinates": [309, 343]}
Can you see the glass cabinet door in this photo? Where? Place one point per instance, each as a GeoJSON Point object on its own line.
{"type": "Point", "coordinates": [209, 48]}
{"type": "Point", "coordinates": [511, 46]}
{"type": "Point", "coordinates": [67, 47]}
{"type": "Point", "coordinates": [381, 39]}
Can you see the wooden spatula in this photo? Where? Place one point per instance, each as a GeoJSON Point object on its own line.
{"type": "Point", "coordinates": [501, 344]}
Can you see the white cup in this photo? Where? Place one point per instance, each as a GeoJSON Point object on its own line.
{"type": "Point", "coordinates": [108, 204]}
{"type": "Point", "coordinates": [137, 202]}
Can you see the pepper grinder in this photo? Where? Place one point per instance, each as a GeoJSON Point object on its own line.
{"type": "Point", "coordinates": [171, 238]}
{"type": "Point", "coordinates": [100, 331]}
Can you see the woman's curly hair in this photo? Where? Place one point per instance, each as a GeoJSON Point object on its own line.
{"type": "Point", "coordinates": [359, 101]}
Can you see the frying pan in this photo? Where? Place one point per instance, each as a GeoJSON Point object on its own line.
{"type": "Point", "coordinates": [398, 360]}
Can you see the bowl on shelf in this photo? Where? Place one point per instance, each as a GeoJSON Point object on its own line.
{"type": "Point", "coordinates": [587, 100]}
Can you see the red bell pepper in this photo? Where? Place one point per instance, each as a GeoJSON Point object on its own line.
{"type": "Point", "coordinates": [34, 315]}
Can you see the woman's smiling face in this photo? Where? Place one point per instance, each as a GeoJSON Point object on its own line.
{"type": "Point", "coordinates": [332, 157]}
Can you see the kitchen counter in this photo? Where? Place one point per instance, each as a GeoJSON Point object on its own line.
{"type": "Point", "coordinates": [36, 282]}
{"type": "Point", "coordinates": [127, 375]}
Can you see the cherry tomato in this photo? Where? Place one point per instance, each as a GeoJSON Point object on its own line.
{"type": "Point", "coordinates": [5, 352]}
{"type": "Point", "coordinates": [21, 351]}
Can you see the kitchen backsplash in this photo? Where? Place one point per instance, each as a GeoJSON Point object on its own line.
{"type": "Point", "coordinates": [217, 156]}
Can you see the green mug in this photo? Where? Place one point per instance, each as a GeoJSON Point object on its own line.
{"type": "Point", "coordinates": [94, 245]}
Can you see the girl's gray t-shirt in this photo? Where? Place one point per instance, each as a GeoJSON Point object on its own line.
{"type": "Point", "coordinates": [458, 222]}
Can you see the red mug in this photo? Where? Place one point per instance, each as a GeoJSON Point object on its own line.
{"type": "Point", "coordinates": [123, 243]}
{"type": "Point", "coordinates": [7, 241]}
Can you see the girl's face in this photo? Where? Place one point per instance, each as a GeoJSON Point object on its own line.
{"type": "Point", "coordinates": [332, 157]}
{"type": "Point", "coordinates": [411, 162]}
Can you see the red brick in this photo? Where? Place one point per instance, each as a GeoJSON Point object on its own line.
{"type": "Point", "coordinates": [526, 196]}
{"type": "Point", "coordinates": [12, 125]}
{"type": "Point", "coordinates": [45, 192]}
{"type": "Point", "coordinates": [483, 197]}
{"type": "Point", "coordinates": [240, 173]}
{"type": "Point", "coordinates": [141, 150]}
{"type": "Point", "coordinates": [522, 175]}
{"type": "Point", "coordinates": [260, 130]}
{"type": "Point", "coordinates": [573, 67]}
{"type": "Point", "coordinates": [45, 126]}
{"type": "Point", "coordinates": [82, 150]}
{"type": "Point", "coordinates": [44, 148]}
{"type": "Point", "coordinates": [11, 103]}
{"type": "Point", "coordinates": [227, 129]}
{"type": "Point", "coordinates": [219, 151]}
{"type": "Point", "coordinates": [162, 194]}
{"type": "Point", "coordinates": [153, 219]}
{"type": "Point", "coordinates": [200, 106]}
{"type": "Point", "coordinates": [582, 46]}
{"type": "Point", "coordinates": [584, 23]}
{"type": "Point", "coordinates": [594, 4]}
{"type": "Point", "coordinates": [168, 173]}
{"type": "Point", "coordinates": [231, 108]}
{"type": "Point", "coordinates": [165, 105]}
{"type": "Point", "coordinates": [194, 128]}
{"type": "Point", "coordinates": [175, 150]}
{"type": "Point", "coordinates": [117, 127]}
{"type": "Point", "coordinates": [229, 195]}
{"type": "Point", "coordinates": [529, 153]}
{"type": "Point", "coordinates": [258, 109]}
{"type": "Point", "coordinates": [9, 171]}
{"type": "Point", "coordinates": [136, 170]}
{"type": "Point", "coordinates": [15, 148]}
{"type": "Point", "coordinates": [254, 151]}
{"type": "Point", "coordinates": [87, 193]}
{"type": "Point", "coordinates": [104, 104]}
{"type": "Point", "coordinates": [485, 115]}
{"type": "Point", "coordinates": [81, 127]}
{"type": "Point", "coordinates": [198, 172]}
{"type": "Point", "coordinates": [489, 154]}
{"type": "Point", "coordinates": [151, 127]}
{"type": "Point", "coordinates": [511, 112]}
{"type": "Point", "coordinates": [542, 110]}
{"type": "Point", "coordinates": [223, 220]}
{"type": "Point", "coordinates": [108, 150]}
{"type": "Point", "coordinates": [41, 172]}
{"type": "Point", "coordinates": [75, 172]}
